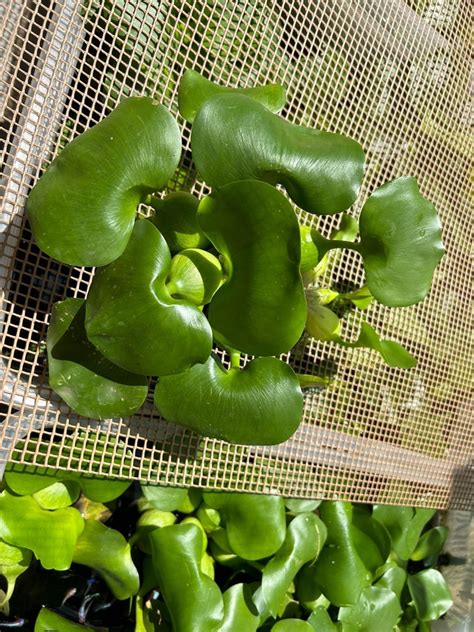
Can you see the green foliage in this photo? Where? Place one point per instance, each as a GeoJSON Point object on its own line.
{"type": "Point", "coordinates": [240, 612]}
{"type": "Point", "coordinates": [175, 218]}
{"type": "Point", "coordinates": [377, 610]}
{"type": "Point", "coordinates": [82, 210]}
{"type": "Point", "coordinates": [404, 525]}
{"type": "Point", "coordinates": [195, 276]}
{"type": "Point", "coordinates": [430, 594]}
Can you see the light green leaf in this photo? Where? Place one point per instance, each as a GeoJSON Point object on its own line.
{"type": "Point", "coordinates": [107, 552]}
{"type": "Point", "coordinates": [377, 610]}
{"type": "Point", "coordinates": [371, 539]}
{"type": "Point", "coordinates": [261, 404]}
{"type": "Point", "coordinates": [195, 275]}
{"type": "Point", "coordinates": [82, 210]}
{"type": "Point", "coordinates": [404, 525]}
{"type": "Point", "coordinates": [58, 495]}
{"type": "Point", "coordinates": [321, 322]}
{"type": "Point", "coordinates": [194, 600]}
{"type": "Point", "coordinates": [255, 525]}
{"type": "Point", "coordinates": [13, 562]}
{"type": "Point", "coordinates": [394, 579]}
{"type": "Point", "coordinates": [175, 218]}
{"type": "Point", "coordinates": [301, 505]}
{"type": "Point", "coordinates": [305, 537]}
{"type": "Point", "coordinates": [148, 521]}
{"type": "Point", "coordinates": [182, 499]}
{"type": "Point", "coordinates": [292, 625]}
{"type": "Point", "coordinates": [430, 543]}
{"type": "Point", "coordinates": [236, 138]}
{"type": "Point", "coordinates": [90, 384]}
{"type": "Point", "coordinates": [261, 309]}
{"type": "Point", "coordinates": [320, 621]}
{"type": "Point", "coordinates": [309, 252]}
{"type": "Point", "coordinates": [51, 535]}
{"type": "Point", "coordinates": [49, 621]}
{"type": "Point", "coordinates": [210, 518]}
{"type": "Point", "coordinates": [430, 594]}
{"type": "Point", "coordinates": [131, 317]}
{"type": "Point", "coordinates": [240, 613]}
{"type": "Point", "coordinates": [194, 90]}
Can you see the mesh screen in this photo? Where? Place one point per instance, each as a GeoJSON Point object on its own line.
{"type": "Point", "coordinates": [393, 74]}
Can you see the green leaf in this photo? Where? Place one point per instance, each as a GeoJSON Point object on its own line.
{"type": "Point", "coordinates": [236, 138]}
{"type": "Point", "coordinates": [49, 621]}
{"type": "Point", "coordinates": [194, 90]}
{"type": "Point", "coordinates": [340, 572]}
{"type": "Point", "coordinates": [13, 562]}
{"type": "Point", "coordinates": [400, 243]}
{"type": "Point", "coordinates": [175, 218]}
{"type": "Point", "coordinates": [82, 210]}
{"type": "Point", "coordinates": [371, 539]}
{"type": "Point", "coordinates": [195, 275]}
{"type": "Point", "coordinates": [377, 610]}
{"type": "Point", "coordinates": [51, 535]}
{"type": "Point", "coordinates": [90, 384]}
{"type": "Point", "coordinates": [58, 495]}
{"type": "Point", "coordinates": [131, 317]}
{"type": "Point", "coordinates": [210, 518]}
{"type": "Point", "coordinates": [301, 505]}
{"type": "Point", "coordinates": [361, 298]}
{"type": "Point", "coordinates": [430, 594]}
{"type": "Point", "coordinates": [148, 521]}
{"type": "Point", "coordinates": [309, 252]}
{"type": "Point", "coordinates": [239, 610]}
{"type": "Point", "coordinates": [261, 309]}
{"type": "Point", "coordinates": [107, 552]}
{"type": "Point", "coordinates": [255, 524]}
{"type": "Point", "coordinates": [394, 579]}
{"type": "Point", "coordinates": [292, 625]}
{"type": "Point", "coordinates": [305, 537]}
{"type": "Point", "coordinates": [182, 499]}
{"type": "Point", "coordinates": [193, 599]}
{"type": "Point", "coordinates": [404, 525]}
{"type": "Point", "coordinates": [321, 322]}
{"type": "Point", "coordinates": [307, 587]}
{"type": "Point", "coordinates": [261, 404]}
{"type": "Point", "coordinates": [430, 543]}
{"type": "Point", "coordinates": [320, 621]}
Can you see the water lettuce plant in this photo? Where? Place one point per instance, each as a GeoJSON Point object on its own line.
{"type": "Point", "coordinates": [232, 273]}
{"type": "Point", "coordinates": [179, 560]}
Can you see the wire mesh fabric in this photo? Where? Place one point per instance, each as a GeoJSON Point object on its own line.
{"type": "Point", "coordinates": [393, 74]}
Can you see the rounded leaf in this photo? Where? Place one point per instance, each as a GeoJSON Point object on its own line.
{"type": "Point", "coordinates": [261, 309]}
{"type": "Point", "coordinates": [236, 138]}
{"type": "Point", "coordinates": [194, 90]}
{"type": "Point", "coordinates": [240, 612]}
{"type": "Point", "coordinates": [400, 242]}
{"type": "Point", "coordinates": [175, 218]}
{"type": "Point", "coordinates": [261, 404]}
{"type": "Point", "coordinates": [430, 594]}
{"type": "Point", "coordinates": [58, 495]}
{"type": "Point", "coordinates": [82, 209]}
{"type": "Point", "coordinates": [195, 275]}
{"type": "Point", "coordinates": [89, 383]}
{"type": "Point", "coordinates": [377, 610]}
{"type": "Point", "coordinates": [131, 317]}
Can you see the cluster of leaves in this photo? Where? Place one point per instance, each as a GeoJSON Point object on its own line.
{"type": "Point", "coordinates": [225, 270]}
{"type": "Point", "coordinates": [222, 562]}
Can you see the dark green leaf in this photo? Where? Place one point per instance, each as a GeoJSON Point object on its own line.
{"type": "Point", "coordinates": [308, 589]}
{"type": "Point", "coordinates": [194, 600]}
{"type": "Point", "coordinates": [240, 613]}
{"type": "Point", "coordinates": [261, 404]}
{"type": "Point", "coordinates": [194, 90]}
{"type": "Point", "coordinates": [90, 384]}
{"type": "Point", "coordinates": [175, 218]}
{"type": "Point", "coordinates": [255, 524]}
{"type": "Point", "coordinates": [236, 138]}
{"type": "Point", "coordinates": [430, 594]}
{"type": "Point", "coordinates": [371, 539]}
{"type": "Point", "coordinates": [377, 610]}
{"type": "Point", "coordinates": [404, 525]}
{"type": "Point", "coordinates": [51, 535]}
{"type": "Point", "coordinates": [182, 499]}
{"type": "Point", "coordinates": [195, 275]}
{"type": "Point", "coordinates": [131, 317]}
{"type": "Point", "coordinates": [82, 210]}
{"type": "Point", "coordinates": [261, 309]}
{"type": "Point", "coordinates": [430, 543]}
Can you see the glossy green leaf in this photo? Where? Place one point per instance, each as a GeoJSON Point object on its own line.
{"type": "Point", "coordinates": [195, 275]}
{"type": "Point", "coordinates": [58, 495]}
{"type": "Point", "coordinates": [305, 537]}
{"type": "Point", "coordinates": [182, 499]}
{"type": "Point", "coordinates": [301, 505]}
{"type": "Point", "coordinates": [131, 317]}
{"type": "Point", "coordinates": [210, 518]}
{"type": "Point", "coordinates": [292, 625]}
{"type": "Point", "coordinates": [430, 543]}
{"type": "Point", "coordinates": [50, 621]}
{"type": "Point", "coordinates": [394, 579]}
{"type": "Point", "coordinates": [90, 384]}
{"type": "Point", "coordinates": [261, 404]}
{"type": "Point", "coordinates": [236, 138]}
{"type": "Point", "coordinates": [400, 243]}
{"type": "Point", "coordinates": [82, 209]}
{"type": "Point", "coordinates": [321, 322]}
{"type": "Point", "coordinates": [430, 594]}
{"type": "Point", "coordinates": [194, 90]}
{"type": "Point", "coordinates": [320, 621]}
{"type": "Point", "coordinates": [194, 600]}
{"type": "Point", "coordinates": [148, 521]}
{"type": "Point", "coordinates": [51, 535]}
{"type": "Point", "coordinates": [13, 562]}
{"type": "Point", "coordinates": [239, 610]}
{"type": "Point", "coordinates": [108, 553]}
{"type": "Point", "coordinates": [307, 587]}
{"type": "Point", "coordinates": [261, 309]}
{"type": "Point", "coordinates": [175, 218]}
{"type": "Point", "coordinates": [255, 525]}
{"type": "Point", "coordinates": [309, 252]}
{"type": "Point", "coordinates": [377, 610]}
{"type": "Point", "coordinates": [404, 525]}
{"type": "Point", "coordinates": [370, 537]}
{"type": "Point", "coordinates": [340, 571]}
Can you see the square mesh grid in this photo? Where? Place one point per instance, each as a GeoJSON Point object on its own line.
{"type": "Point", "coordinates": [393, 74]}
